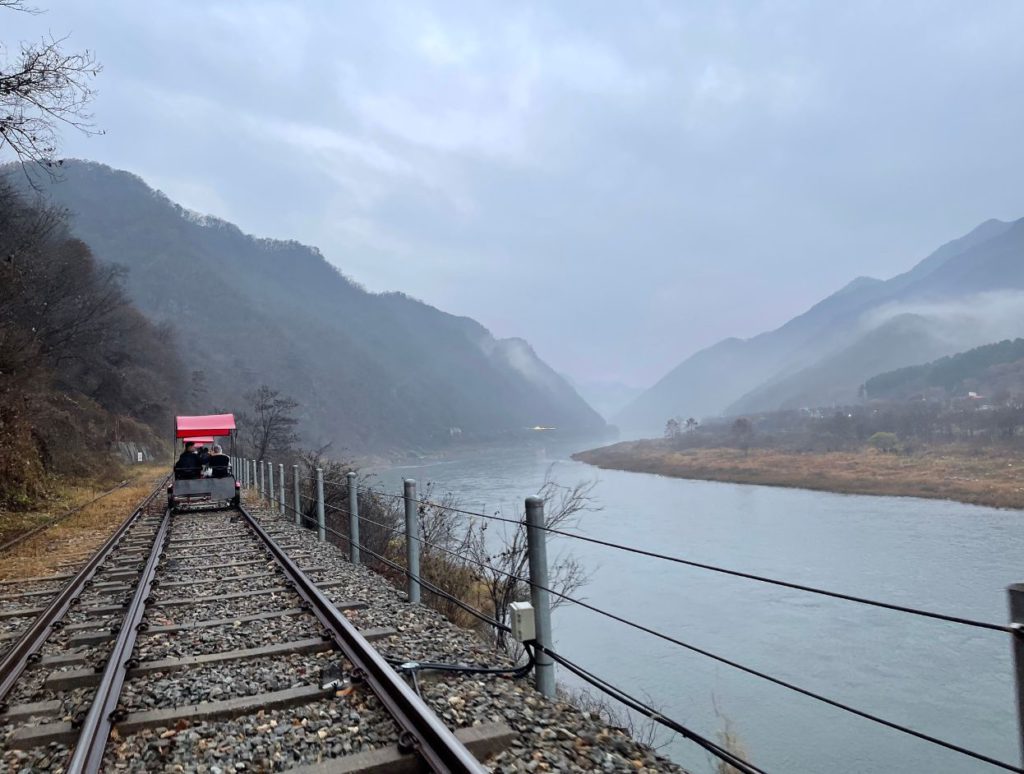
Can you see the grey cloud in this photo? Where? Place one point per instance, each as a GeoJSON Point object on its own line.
{"type": "Point", "coordinates": [618, 184]}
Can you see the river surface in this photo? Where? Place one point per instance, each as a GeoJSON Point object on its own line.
{"type": "Point", "coordinates": [946, 680]}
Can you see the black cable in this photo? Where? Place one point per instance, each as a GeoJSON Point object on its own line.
{"type": "Point", "coordinates": [734, 664]}
{"type": "Point", "coordinates": [647, 711]}
{"type": "Point", "coordinates": [515, 672]}
{"type": "Point", "coordinates": [741, 667]}
{"type": "Point", "coordinates": [725, 571]}
{"type": "Point", "coordinates": [427, 584]}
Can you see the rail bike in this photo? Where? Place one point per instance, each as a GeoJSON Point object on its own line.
{"type": "Point", "coordinates": [195, 485]}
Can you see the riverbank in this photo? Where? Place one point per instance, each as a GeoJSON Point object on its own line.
{"type": "Point", "coordinates": [987, 476]}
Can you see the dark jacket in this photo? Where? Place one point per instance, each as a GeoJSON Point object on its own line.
{"type": "Point", "coordinates": [220, 465]}
{"type": "Point", "coordinates": [188, 465]}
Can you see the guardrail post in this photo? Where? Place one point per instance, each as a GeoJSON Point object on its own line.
{"type": "Point", "coordinates": [353, 518]}
{"type": "Point", "coordinates": [412, 543]}
{"type": "Point", "coordinates": [298, 496]}
{"type": "Point", "coordinates": [280, 488]}
{"type": "Point", "coordinates": [536, 546]}
{"type": "Point", "coordinates": [270, 484]}
{"type": "Point", "coordinates": [320, 522]}
{"type": "Point", "coordinates": [1016, 598]}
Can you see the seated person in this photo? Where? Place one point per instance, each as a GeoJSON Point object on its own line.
{"type": "Point", "coordinates": [219, 462]}
{"type": "Point", "coordinates": [188, 465]}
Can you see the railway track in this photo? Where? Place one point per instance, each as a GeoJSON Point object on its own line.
{"type": "Point", "coordinates": [212, 641]}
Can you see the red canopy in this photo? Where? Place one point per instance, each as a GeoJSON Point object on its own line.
{"type": "Point", "coordinates": [214, 424]}
{"type": "Point", "coordinates": [200, 439]}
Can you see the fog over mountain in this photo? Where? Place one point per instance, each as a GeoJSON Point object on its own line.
{"type": "Point", "coordinates": [967, 293]}
{"type": "Point", "coordinates": [621, 185]}
{"type": "Point", "coordinates": [372, 372]}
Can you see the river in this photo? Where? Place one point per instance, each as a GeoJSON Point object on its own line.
{"type": "Point", "coordinates": [946, 680]}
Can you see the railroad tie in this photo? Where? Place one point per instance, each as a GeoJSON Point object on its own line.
{"type": "Point", "coordinates": [483, 741]}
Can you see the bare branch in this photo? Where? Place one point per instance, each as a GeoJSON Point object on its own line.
{"type": "Point", "coordinates": [42, 89]}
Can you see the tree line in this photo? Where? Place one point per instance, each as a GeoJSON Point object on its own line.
{"type": "Point", "coordinates": [890, 426]}
{"type": "Point", "coordinates": [80, 367]}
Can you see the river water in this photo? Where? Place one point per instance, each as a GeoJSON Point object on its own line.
{"type": "Point", "coordinates": [946, 680]}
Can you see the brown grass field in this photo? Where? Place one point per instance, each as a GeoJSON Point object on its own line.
{"type": "Point", "coordinates": [983, 476]}
{"type": "Point", "coordinates": [74, 539]}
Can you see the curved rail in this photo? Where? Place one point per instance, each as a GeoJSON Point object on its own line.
{"type": "Point", "coordinates": [17, 658]}
{"type": "Point", "coordinates": [421, 730]}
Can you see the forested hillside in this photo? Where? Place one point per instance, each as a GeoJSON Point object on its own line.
{"type": "Point", "coordinates": [372, 372]}
{"type": "Point", "coordinates": [989, 371]}
{"type": "Point", "coordinates": [80, 367]}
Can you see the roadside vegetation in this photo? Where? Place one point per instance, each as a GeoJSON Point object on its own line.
{"type": "Point", "coordinates": [73, 540]}
{"type": "Point", "coordinates": [80, 368]}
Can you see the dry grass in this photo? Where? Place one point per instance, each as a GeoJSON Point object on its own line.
{"type": "Point", "coordinates": [76, 538]}
{"type": "Point", "coordinates": [984, 476]}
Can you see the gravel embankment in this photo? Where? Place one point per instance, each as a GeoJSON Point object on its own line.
{"type": "Point", "coordinates": [551, 735]}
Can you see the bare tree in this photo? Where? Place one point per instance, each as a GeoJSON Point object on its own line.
{"type": "Point", "coordinates": [503, 558]}
{"type": "Point", "coordinates": [42, 88]}
{"type": "Point", "coordinates": [270, 426]}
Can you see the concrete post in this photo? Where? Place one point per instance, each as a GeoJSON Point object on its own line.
{"type": "Point", "coordinates": [536, 545]}
{"type": "Point", "coordinates": [263, 478]}
{"type": "Point", "coordinates": [297, 495]}
{"type": "Point", "coordinates": [320, 521]}
{"type": "Point", "coordinates": [412, 543]}
{"type": "Point", "coordinates": [353, 518]}
{"type": "Point", "coordinates": [270, 484]}
{"type": "Point", "coordinates": [1016, 598]}
{"type": "Point", "coordinates": [280, 488]}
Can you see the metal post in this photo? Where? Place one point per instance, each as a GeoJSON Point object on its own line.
{"type": "Point", "coordinates": [353, 518]}
{"type": "Point", "coordinates": [320, 522]}
{"type": "Point", "coordinates": [1016, 597]}
{"type": "Point", "coordinates": [412, 543]}
{"type": "Point", "coordinates": [298, 496]}
{"type": "Point", "coordinates": [280, 488]}
{"type": "Point", "coordinates": [536, 545]}
{"type": "Point", "coordinates": [270, 483]}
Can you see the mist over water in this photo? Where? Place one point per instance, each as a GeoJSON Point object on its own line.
{"type": "Point", "coordinates": [948, 681]}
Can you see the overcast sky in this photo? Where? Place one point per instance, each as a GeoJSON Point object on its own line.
{"type": "Point", "coordinates": [619, 183]}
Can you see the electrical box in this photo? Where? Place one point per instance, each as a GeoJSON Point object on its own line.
{"type": "Point", "coordinates": [521, 623]}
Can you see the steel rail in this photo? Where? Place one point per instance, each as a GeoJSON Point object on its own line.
{"type": "Point", "coordinates": [95, 731]}
{"type": "Point", "coordinates": [57, 519]}
{"type": "Point", "coordinates": [18, 657]}
{"type": "Point", "coordinates": [421, 731]}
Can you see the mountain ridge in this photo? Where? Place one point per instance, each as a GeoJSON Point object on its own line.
{"type": "Point", "coordinates": [373, 372]}
{"type": "Point", "coordinates": [763, 372]}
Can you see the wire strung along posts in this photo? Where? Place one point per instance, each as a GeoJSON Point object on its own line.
{"type": "Point", "coordinates": [412, 545]}
{"type": "Point", "coordinates": [353, 518]}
